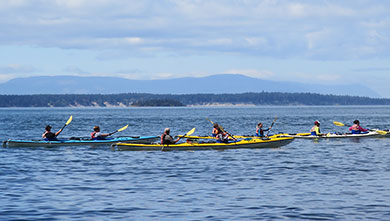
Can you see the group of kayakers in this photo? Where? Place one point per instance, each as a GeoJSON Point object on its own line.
{"type": "Point", "coordinates": [218, 132]}
{"type": "Point", "coordinates": [355, 128]}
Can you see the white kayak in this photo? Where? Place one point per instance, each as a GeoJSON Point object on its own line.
{"type": "Point", "coordinates": [337, 135]}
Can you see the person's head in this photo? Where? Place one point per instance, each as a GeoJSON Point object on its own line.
{"type": "Point", "coordinates": [317, 123]}
{"type": "Point", "coordinates": [260, 125]}
{"type": "Point", "coordinates": [356, 122]}
{"type": "Point", "coordinates": [167, 130]}
{"type": "Point", "coordinates": [215, 125]}
{"type": "Point", "coordinates": [48, 127]}
{"type": "Point", "coordinates": [96, 128]}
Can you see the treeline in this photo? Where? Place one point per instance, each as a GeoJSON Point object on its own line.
{"type": "Point", "coordinates": [144, 99]}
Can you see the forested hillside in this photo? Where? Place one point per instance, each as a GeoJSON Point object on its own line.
{"type": "Point", "coordinates": [138, 99]}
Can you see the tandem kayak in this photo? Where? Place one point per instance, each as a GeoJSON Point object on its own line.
{"type": "Point", "coordinates": [242, 136]}
{"type": "Point", "coordinates": [78, 142]}
{"type": "Point", "coordinates": [336, 135]}
{"type": "Point", "coordinates": [241, 144]}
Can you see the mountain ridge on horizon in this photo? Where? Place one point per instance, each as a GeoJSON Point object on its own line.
{"type": "Point", "coordinates": [217, 84]}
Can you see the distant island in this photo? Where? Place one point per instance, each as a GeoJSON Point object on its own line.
{"type": "Point", "coordinates": [146, 99]}
{"type": "Point", "coordinates": [157, 103]}
{"type": "Point", "coordinates": [219, 84]}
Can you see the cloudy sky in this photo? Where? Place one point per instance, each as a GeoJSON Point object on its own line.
{"type": "Point", "coordinates": [326, 42]}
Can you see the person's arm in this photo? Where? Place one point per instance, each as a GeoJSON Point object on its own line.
{"type": "Point", "coordinates": [363, 129]}
{"type": "Point", "coordinates": [44, 134]}
{"type": "Point", "coordinates": [177, 140]}
{"type": "Point", "coordinates": [58, 132]}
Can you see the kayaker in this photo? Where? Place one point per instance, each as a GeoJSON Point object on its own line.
{"type": "Point", "coordinates": [315, 130]}
{"type": "Point", "coordinates": [356, 128]}
{"type": "Point", "coordinates": [168, 139]}
{"type": "Point", "coordinates": [216, 130]}
{"type": "Point", "coordinates": [221, 135]}
{"type": "Point", "coordinates": [97, 135]}
{"type": "Point", "coordinates": [260, 130]}
{"type": "Point", "coordinates": [50, 136]}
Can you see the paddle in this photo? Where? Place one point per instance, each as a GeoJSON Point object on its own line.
{"type": "Point", "coordinates": [186, 134]}
{"type": "Point", "coordinates": [271, 126]}
{"type": "Point", "coordinates": [189, 132]}
{"type": "Point", "coordinates": [66, 124]}
{"type": "Point", "coordinates": [120, 129]}
{"type": "Point", "coordinates": [221, 128]}
{"type": "Point", "coordinates": [381, 132]}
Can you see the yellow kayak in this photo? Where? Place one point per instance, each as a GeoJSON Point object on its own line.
{"type": "Point", "coordinates": [244, 143]}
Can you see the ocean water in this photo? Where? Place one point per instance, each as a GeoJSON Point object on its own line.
{"type": "Point", "coordinates": [328, 179]}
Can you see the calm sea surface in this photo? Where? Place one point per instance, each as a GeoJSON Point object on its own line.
{"type": "Point", "coordinates": [340, 179]}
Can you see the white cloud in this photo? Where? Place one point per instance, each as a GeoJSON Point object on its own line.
{"type": "Point", "coordinates": [297, 10]}
{"type": "Point", "coordinates": [269, 28]}
{"type": "Point", "coordinates": [317, 38]}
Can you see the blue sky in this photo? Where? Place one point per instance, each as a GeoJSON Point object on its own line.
{"type": "Point", "coordinates": [327, 42]}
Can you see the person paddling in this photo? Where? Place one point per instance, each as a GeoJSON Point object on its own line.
{"type": "Point", "coordinates": [356, 128]}
{"type": "Point", "coordinates": [219, 133]}
{"type": "Point", "coordinates": [315, 130]}
{"type": "Point", "coordinates": [260, 130]}
{"type": "Point", "coordinates": [166, 138]}
{"type": "Point", "coordinates": [97, 135]}
{"type": "Point", "coordinates": [50, 136]}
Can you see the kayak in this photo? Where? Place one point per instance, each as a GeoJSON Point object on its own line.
{"type": "Point", "coordinates": [336, 135]}
{"type": "Point", "coordinates": [242, 136]}
{"type": "Point", "coordinates": [78, 141]}
{"type": "Point", "coordinates": [240, 144]}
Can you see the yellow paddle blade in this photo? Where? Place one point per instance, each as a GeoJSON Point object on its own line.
{"type": "Point", "coordinates": [381, 132]}
{"type": "Point", "coordinates": [69, 120]}
{"type": "Point", "coordinates": [123, 128]}
{"type": "Point", "coordinates": [338, 124]}
{"type": "Point", "coordinates": [190, 132]}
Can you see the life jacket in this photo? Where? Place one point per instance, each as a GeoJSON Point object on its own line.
{"type": "Point", "coordinates": [94, 137]}
{"type": "Point", "coordinates": [260, 132]}
{"type": "Point", "coordinates": [50, 136]}
{"type": "Point", "coordinates": [315, 130]}
{"type": "Point", "coordinates": [355, 129]}
{"type": "Point", "coordinates": [216, 131]}
{"type": "Point", "coordinates": [163, 141]}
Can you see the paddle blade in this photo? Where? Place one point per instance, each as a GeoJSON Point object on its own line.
{"type": "Point", "coordinates": [190, 132]}
{"type": "Point", "coordinates": [123, 128]}
{"type": "Point", "coordinates": [338, 124]}
{"type": "Point", "coordinates": [69, 120]}
{"type": "Point", "coordinates": [381, 132]}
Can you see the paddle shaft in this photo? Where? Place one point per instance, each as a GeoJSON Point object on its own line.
{"type": "Point", "coordinates": [273, 122]}
{"type": "Point", "coordinates": [123, 128]}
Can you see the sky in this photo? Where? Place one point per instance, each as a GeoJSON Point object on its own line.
{"type": "Point", "coordinates": [324, 41]}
